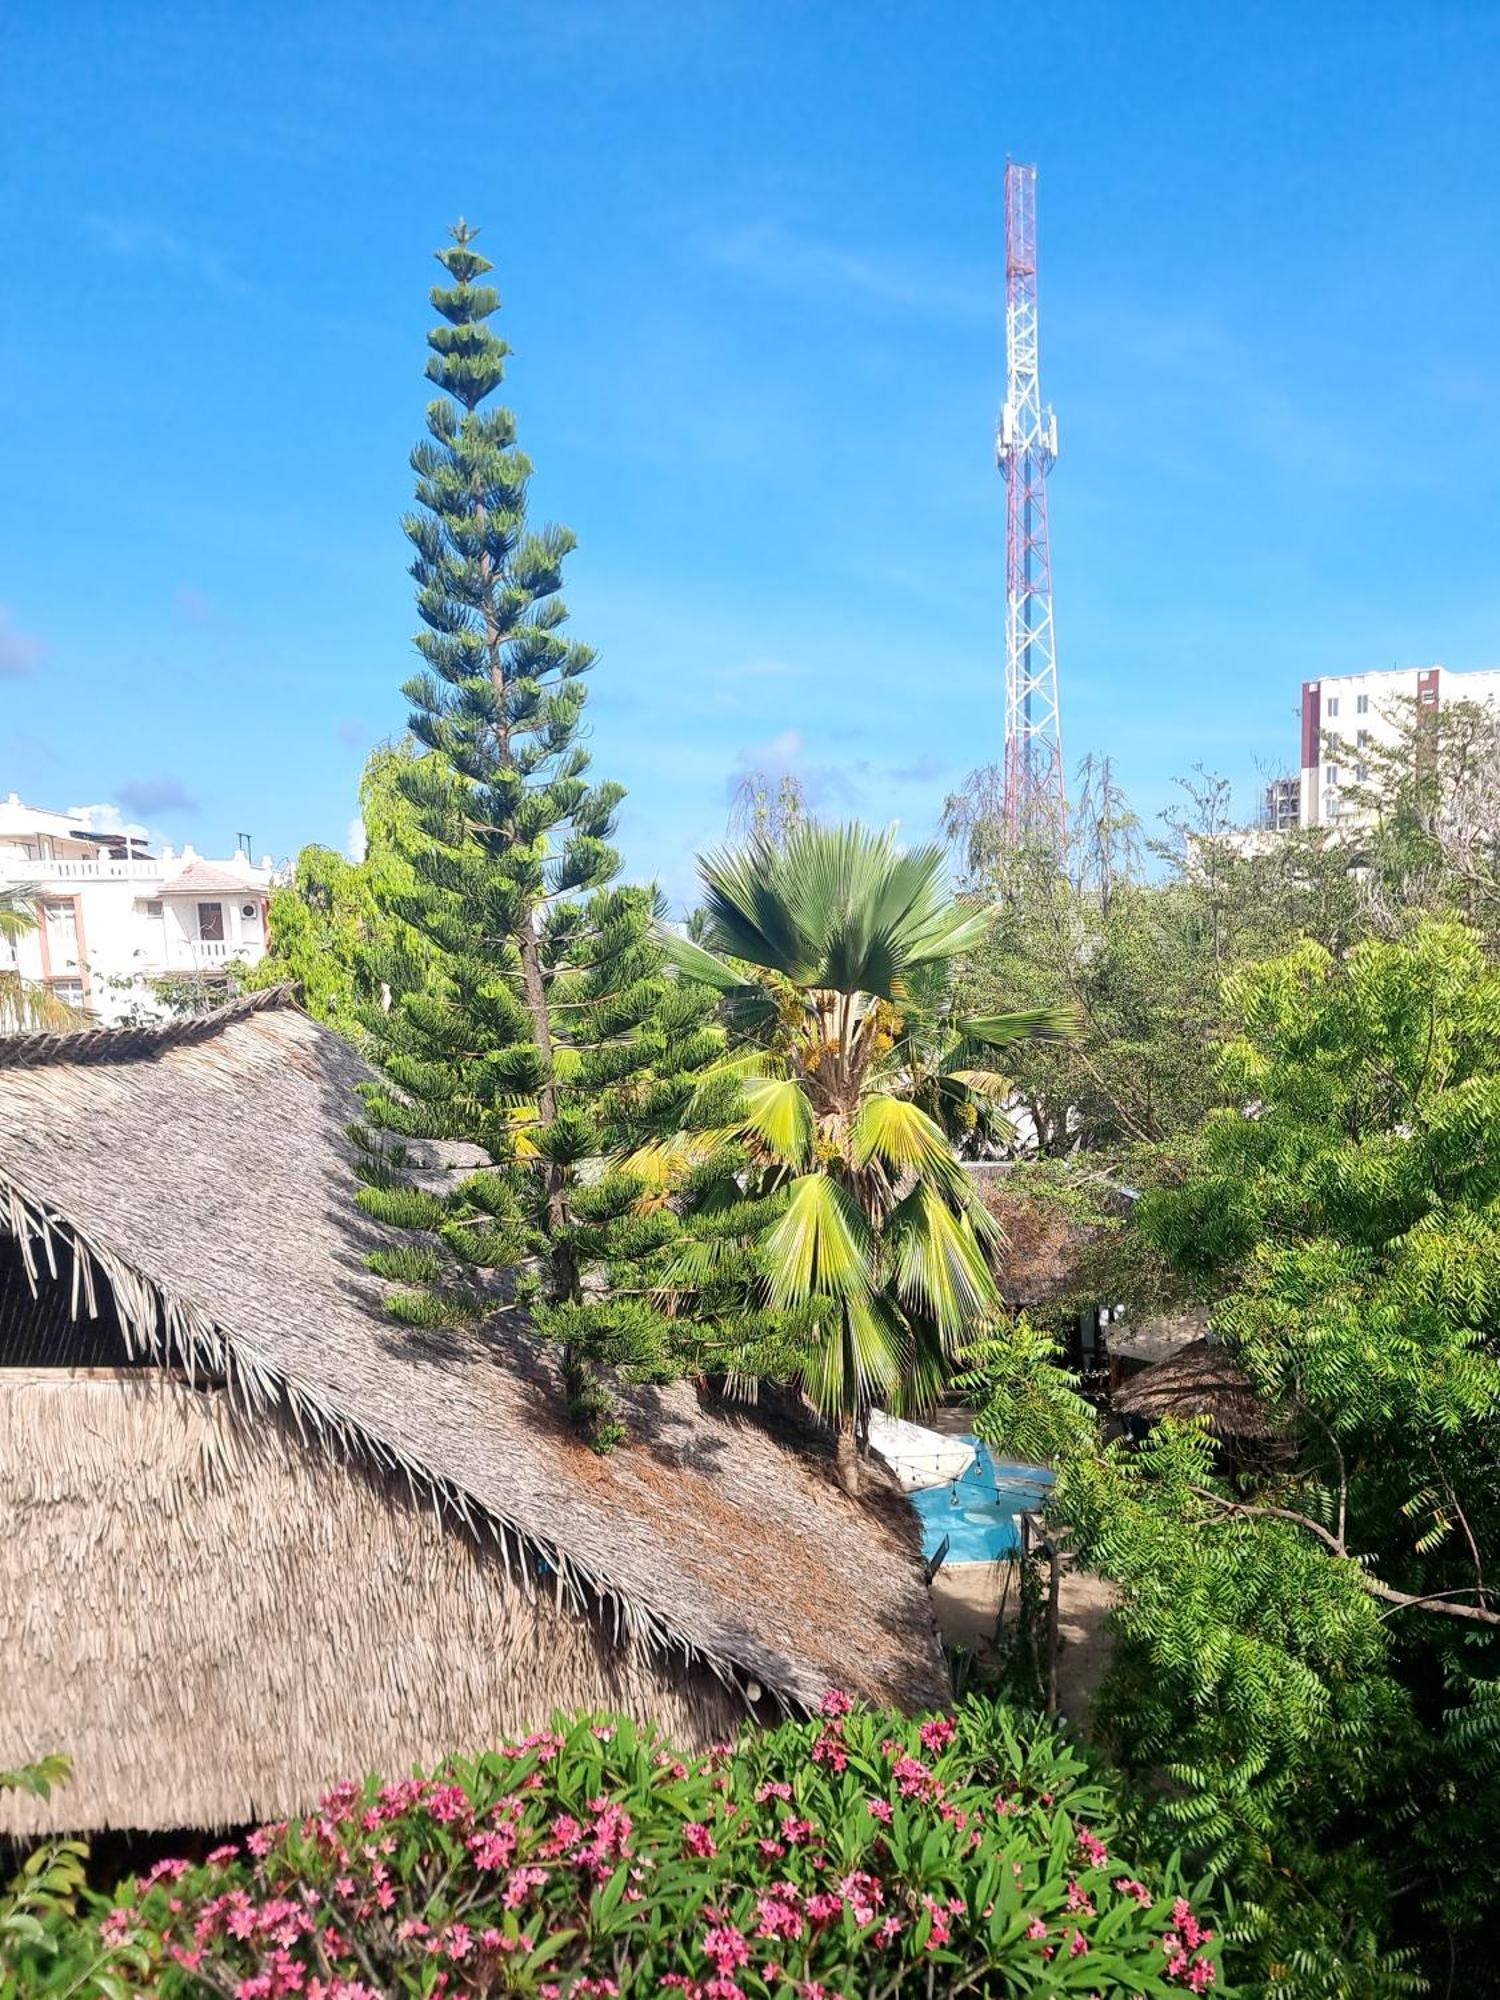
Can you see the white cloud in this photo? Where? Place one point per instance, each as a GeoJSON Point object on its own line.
{"type": "Point", "coordinates": [354, 838]}
{"type": "Point", "coordinates": [108, 819]}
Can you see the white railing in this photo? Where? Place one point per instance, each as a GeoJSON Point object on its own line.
{"type": "Point", "coordinates": [17, 868]}
{"type": "Point", "coordinates": [213, 950]}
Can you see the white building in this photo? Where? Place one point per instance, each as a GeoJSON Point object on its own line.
{"type": "Point", "coordinates": [112, 917]}
{"type": "Point", "coordinates": [1362, 710]}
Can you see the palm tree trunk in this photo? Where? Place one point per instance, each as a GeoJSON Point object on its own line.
{"type": "Point", "coordinates": [846, 1455]}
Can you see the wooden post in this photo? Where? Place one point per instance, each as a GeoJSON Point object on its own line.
{"type": "Point", "coordinates": [1053, 1588]}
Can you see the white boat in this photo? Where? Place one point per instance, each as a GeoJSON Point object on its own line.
{"type": "Point", "coordinates": [919, 1458]}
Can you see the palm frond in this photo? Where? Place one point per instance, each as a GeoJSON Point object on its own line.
{"type": "Point", "coordinates": [998, 1031]}
{"type": "Point", "coordinates": [779, 1116]}
{"type": "Point", "coordinates": [940, 1266]}
{"type": "Point", "coordinates": [900, 1133]}
{"type": "Point", "coordinates": [820, 1245]}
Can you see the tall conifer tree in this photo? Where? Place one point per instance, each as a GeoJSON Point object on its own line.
{"type": "Point", "coordinates": [553, 1038]}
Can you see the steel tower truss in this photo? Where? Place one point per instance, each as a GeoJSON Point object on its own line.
{"type": "Point", "coordinates": [1025, 449]}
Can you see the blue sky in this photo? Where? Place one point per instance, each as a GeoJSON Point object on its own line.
{"type": "Point", "coordinates": [751, 259]}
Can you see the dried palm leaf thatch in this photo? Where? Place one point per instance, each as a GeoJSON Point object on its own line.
{"type": "Point", "coordinates": [196, 1188]}
{"type": "Point", "coordinates": [220, 1623]}
{"type": "Point", "coordinates": [1200, 1380]}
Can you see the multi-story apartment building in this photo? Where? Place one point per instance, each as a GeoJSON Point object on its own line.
{"type": "Point", "coordinates": [112, 917]}
{"type": "Point", "coordinates": [1363, 710]}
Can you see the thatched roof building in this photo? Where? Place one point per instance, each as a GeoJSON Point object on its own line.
{"type": "Point", "coordinates": [302, 1541]}
{"type": "Point", "coordinates": [1044, 1240]}
{"type": "Point", "coordinates": [1199, 1380]}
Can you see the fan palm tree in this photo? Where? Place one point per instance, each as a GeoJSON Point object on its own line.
{"type": "Point", "coordinates": [24, 1004]}
{"type": "Point", "coordinates": [832, 953]}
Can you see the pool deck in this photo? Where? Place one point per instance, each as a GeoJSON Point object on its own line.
{"type": "Point", "coordinates": [966, 1601]}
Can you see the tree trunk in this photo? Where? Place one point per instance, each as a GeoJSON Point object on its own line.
{"type": "Point", "coordinates": [846, 1457]}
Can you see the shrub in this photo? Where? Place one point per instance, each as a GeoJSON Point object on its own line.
{"type": "Point", "coordinates": [858, 1854]}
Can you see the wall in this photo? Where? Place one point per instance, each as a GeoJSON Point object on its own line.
{"type": "Point", "coordinates": [217, 1622]}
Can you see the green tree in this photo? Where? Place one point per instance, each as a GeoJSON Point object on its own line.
{"type": "Point", "coordinates": [542, 1027]}
{"type": "Point", "coordinates": [325, 922]}
{"type": "Point", "coordinates": [1312, 1657]}
{"type": "Point", "coordinates": [23, 1003]}
{"type": "Point", "coordinates": [831, 950]}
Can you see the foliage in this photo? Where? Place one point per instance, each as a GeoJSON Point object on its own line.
{"type": "Point", "coordinates": [24, 1004]}
{"type": "Point", "coordinates": [41, 1936]}
{"type": "Point", "coordinates": [833, 951]}
{"type": "Point", "coordinates": [1305, 1679]}
{"type": "Point", "coordinates": [857, 1853]}
{"type": "Point", "coordinates": [538, 1025]}
{"type": "Point", "coordinates": [1141, 962]}
{"type": "Point", "coordinates": [1025, 1403]}
{"type": "Point", "coordinates": [335, 912]}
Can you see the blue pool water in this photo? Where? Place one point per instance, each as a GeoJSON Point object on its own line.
{"type": "Point", "coordinates": [977, 1513]}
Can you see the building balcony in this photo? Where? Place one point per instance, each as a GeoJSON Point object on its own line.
{"type": "Point", "coordinates": [17, 868]}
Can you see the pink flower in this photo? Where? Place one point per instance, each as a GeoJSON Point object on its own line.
{"type": "Point", "coordinates": [880, 1809]}
{"type": "Point", "coordinates": [890, 1928]}
{"type": "Point", "coordinates": [1126, 1885]}
{"type": "Point", "coordinates": [696, 1839]}
{"type": "Point", "coordinates": [115, 1928]}
{"type": "Point", "coordinates": [778, 1917]}
{"type": "Point", "coordinates": [1079, 1945]}
{"type": "Point", "coordinates": [163, 1871]}
{"type": "Point", "coordinates": [1093, 1850]}
{"type": "Point", "coordinates": [942, 1929]}
{"type": "Point", "coordinates": [863, 1894]}
{"type": "Point", "coordinates": [797, 1832]}
{"type": "Point", "coordinates": [1036, 1928]}
{"type": "Point", "coordinates": [771, 1850]}
{"type": "Point", "coordinates": [823, 1907]}
{"type": "Point", "coordinates": [913, 1779]}
{"type": "Point", "coordinates": [936, 1734]}
{"type": "Point", "coordinates": [771, 1789]}
{"type": "Point", "coordinates": [222, 1855]}
{"type": "Point", "coordinates": [835, 1703]}
{"type": "Point", "coordinates": [726, 1947]}
{"type": "Point", "coordinates": [520, 1883]}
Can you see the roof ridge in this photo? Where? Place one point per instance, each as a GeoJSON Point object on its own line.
{"type": "Point", "coordinates": [135, 1044]}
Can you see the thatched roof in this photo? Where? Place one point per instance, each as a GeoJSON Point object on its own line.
{"type": "Point", "coordinates": [218, 1624]}
{"type": "Point", "coordinates": [1198, 1381]}
{"type": "Point", "coordinates": [1158, 1339]}
{"type": "Point", "coordinates": [1043, 1243]}
{"type": "Point", "coordinates": [203, 1168]}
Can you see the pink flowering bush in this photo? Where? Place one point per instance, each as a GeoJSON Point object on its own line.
{"type": "Point", "coordinates": [855, 1855]}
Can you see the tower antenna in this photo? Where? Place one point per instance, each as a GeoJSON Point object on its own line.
{"type": "Point", "coordinates": [1025, 450]}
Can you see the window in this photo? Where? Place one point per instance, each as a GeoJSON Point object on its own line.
{"type": "Point", "coordinates": [1362, 704]}
{"type": "Point", "coordinates": [1331, 706]}
{"type": "Point", "coordinates": [153, 906]}
{"type": "Point", "coordinates": [1362, 739]}
{"type": "Point", "coordinates": [1332, 777]}
{"type": "Point", "coordinates": [211, 923]}
{"type": "Point", "coordinates": [62, 933]}
{"type": "Point", "coordinates": [69, 991]}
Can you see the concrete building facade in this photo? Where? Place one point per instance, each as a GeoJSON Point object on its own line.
{"type": "Point", "coordinates": [113, 917]}
{"type": "Point", "coordinates": [1364, 711]}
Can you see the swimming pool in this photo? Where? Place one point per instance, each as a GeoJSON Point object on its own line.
{"type": "Point", "coordinates": [978, 1512]}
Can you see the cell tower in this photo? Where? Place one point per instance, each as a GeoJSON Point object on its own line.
{"type": "Point", "coordinates": [1025, 449]}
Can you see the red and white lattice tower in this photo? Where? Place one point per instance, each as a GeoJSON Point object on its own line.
{"type": "Point", "coordinates": [1025, 448]}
